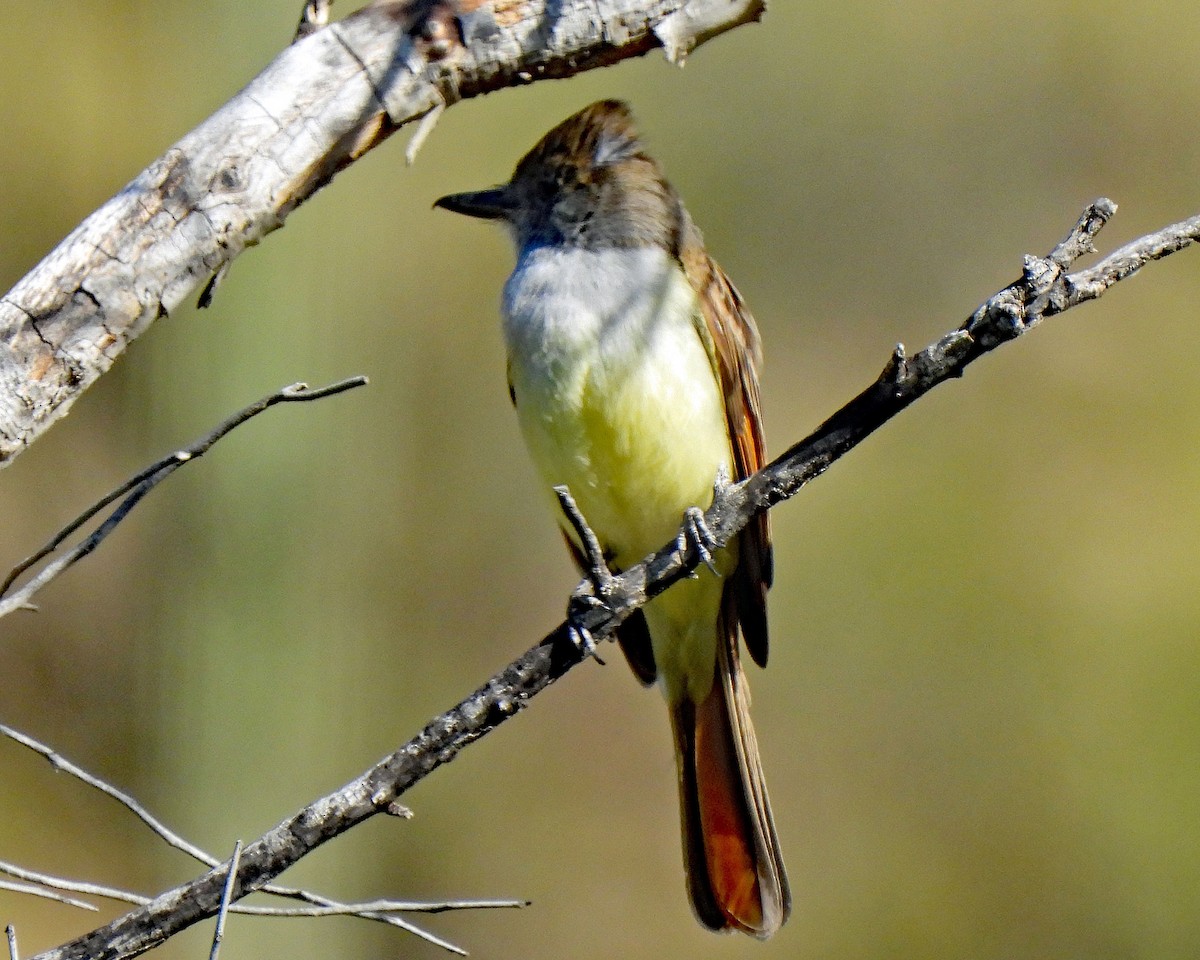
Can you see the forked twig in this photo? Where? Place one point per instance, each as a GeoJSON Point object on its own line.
{"type": "Point", "coordinates": [382, 911]}
{"type": "Point", "coordinates": [133, 490]}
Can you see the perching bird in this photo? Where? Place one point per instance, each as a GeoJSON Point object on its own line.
{"type": "Point", "coordinates": [632, 362]}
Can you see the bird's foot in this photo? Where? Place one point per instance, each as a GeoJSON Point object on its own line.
{"type": "Point", "coordinates": [696, 535]}
{"type": "Point", "coordinates": [582, 602]}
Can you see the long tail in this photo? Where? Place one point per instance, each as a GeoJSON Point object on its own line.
{"type": "Point", "coordinates": [734, 870]}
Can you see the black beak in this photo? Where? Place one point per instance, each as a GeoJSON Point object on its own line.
{"type": "Point", "coordinates": [494, 204]}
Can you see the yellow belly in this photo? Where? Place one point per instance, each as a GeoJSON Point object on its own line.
{"type": "Point", "coordinates": [636, 429]}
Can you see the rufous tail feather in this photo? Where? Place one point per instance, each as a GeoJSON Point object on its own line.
{"type": "Point", "coordinates": [735, 873]}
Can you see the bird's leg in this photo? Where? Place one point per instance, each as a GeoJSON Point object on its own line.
{"type": "Point", "coordinates": [593, 592]}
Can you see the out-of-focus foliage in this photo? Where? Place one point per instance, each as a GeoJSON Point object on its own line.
{"type": "Point", "coordinates": [981, 723]}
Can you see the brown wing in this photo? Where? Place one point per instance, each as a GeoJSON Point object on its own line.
{"type": "Point", "coordinates": [738, 354]}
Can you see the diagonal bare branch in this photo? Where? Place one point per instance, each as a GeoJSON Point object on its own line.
{"type": "Point", "coordinates": [1044, 289]}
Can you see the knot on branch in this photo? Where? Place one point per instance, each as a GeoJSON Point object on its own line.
{"type": "Point", "coordinates": [1046, 288]}
{"type": "Point", "coordinates": [1000, 319]}
{"type": "Point", "coordinates": [896, 370]}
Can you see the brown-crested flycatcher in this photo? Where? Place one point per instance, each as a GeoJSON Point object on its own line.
{"type": "Point", "coordinates": [632, 362]}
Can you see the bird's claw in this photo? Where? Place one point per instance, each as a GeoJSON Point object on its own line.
{"type": "Point", "coordinates": [696, 534]}
{"type": "Point", "coordinates": [577, 631]}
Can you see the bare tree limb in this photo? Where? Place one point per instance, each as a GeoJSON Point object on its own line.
{"type": "Point", "coordinates": [133, 490]}
{"type": "Point", "coordinates": [1044, 289]}
{"type": "Point", "coordinates": [320, 105]}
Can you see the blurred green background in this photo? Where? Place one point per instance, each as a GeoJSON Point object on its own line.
{"type": "Point", "coordinates": [981, 724]}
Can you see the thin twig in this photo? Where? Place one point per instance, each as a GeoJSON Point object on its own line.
{"type": "Point", "coordinates": [59, 762]}
{"type": "Point", "coordinates": [33, 891]}
{"type": "Point", "coordinates": [380, 906]}
{"type": "Point", "coordinates": [73, 886]}
{"type": "Point", "coordinates": [368, 909]}
{"type": "Point", "coordinates": [13, 953]}
{"type": "Point", "coordinates": [226, 898]}
{"type": "Point", "coordinates": [376, 910]}
{"type": "Point", "coordinates": [137, 487]}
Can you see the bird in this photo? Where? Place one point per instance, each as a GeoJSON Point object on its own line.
{"type": "Point", "coordinates": [633, 366]}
